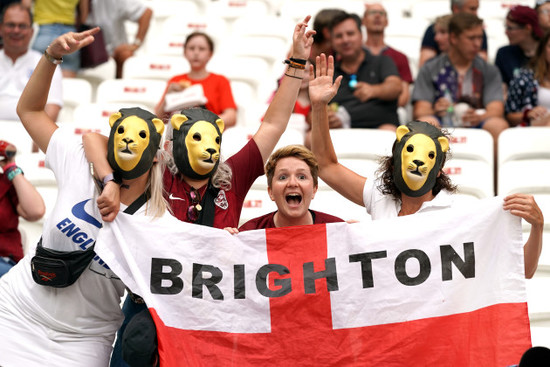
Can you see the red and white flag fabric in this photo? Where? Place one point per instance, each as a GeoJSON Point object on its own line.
{"type": "Point", "coordinates": [444, 288]}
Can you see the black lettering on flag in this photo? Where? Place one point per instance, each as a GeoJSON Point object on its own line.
{"type": "Point", "coordinates": [238, 281]}
{"type": "Point", "coordinates": [449, 256]}
{"type": "Point", "coordinates": [329, 273]}
{"type": "Point", "coordinates": [216, 276]}
{"type": "Point", "coordinates": [284, 284]}
{"type": "Point", "coordinates": [366, 265]}
{"type": "Point", "coordinates": [157, 276]}
{"type": "Point", "coordinates": [401, 271]}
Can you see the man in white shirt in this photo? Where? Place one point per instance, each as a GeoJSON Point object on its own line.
{"type": "Point", "coordinates": [17, 62]}
{"type": "Point", "coordinates": [110, 15]}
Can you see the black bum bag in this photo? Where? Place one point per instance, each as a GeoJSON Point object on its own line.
{"type": "Point", "coordinates": [59, 269]}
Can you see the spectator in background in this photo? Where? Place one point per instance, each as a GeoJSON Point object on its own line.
{"type": "Point", "coordinates": [292, 181]}
{"type": "Point", "coordinates": [110, 15]}
{"type": "Point", "coordinates": [543, 11]}
{"type": "Point", "coordinates": [17, 63]}
{"type": "Point", "coordinates": [3, 4]}
{"type": "Point", "coordinates": [57, 17]}
{"type": "Point", "coordinates": [441, 28]}
{"type": "Point", "coordinates": [459, 76]}
{"type": "Point", "coordinates": [528, 101]}
{"type": "Point", "coordinates": [524, 34]}
{"type": "Point", "coordinates": [375, 20]}
{"type": "Point", "coordinates": [321, 38]}
{"type": "Point", "coordinates": [430, 48]}
{"type": "Point", "coordinates": [198, 50]}
{"type": "Point", "coordinates": [371, 85]}
{"type": "Point", "coordinates": [18, 197]}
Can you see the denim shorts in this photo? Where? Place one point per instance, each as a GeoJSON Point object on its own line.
{"type": "Point", "coordinates": [49, 32]}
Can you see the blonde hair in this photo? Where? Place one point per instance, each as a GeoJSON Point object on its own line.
{"type": "Point", "coordinates": [157, 204]}
{"type": "Point", "coordinates": [296, 151]}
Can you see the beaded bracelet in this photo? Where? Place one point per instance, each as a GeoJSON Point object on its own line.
{"type": "Point", "coordinates": [14, 172]}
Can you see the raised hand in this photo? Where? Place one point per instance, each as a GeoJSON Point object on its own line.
{"type": "Point", "coordinates": [71, 42]}
{"type": "Point", "coordinates": [302, 40]}
{"type": "Point", "coordinates": [322, 88]}
{"type": "Point", "coordinates": [524, 206]}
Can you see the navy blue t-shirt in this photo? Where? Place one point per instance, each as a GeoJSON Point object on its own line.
{"type": "Point", "coordinates": [509, 60]}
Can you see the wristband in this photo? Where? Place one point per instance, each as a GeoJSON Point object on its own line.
{"type": "Point", "coordinates": [111, 177]}
{"type": "Point", "coordinates": [14, 172]}
{"type": "Point", "coordinates": [52, 59]}
{"type": "Point", "coordinates": [299, 61]}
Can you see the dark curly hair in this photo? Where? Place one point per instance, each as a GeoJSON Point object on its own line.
{"type": "Point", "coordinates": [387, 185]}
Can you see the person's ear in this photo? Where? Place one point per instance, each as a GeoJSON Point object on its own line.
{"type": "Point", "coordinates": [270, 193]}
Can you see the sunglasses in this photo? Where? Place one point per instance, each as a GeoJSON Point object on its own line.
{"type": "Point", "coordinates": [195, 207]}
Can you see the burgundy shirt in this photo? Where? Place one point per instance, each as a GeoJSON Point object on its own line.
{"type": "Point", "coordinates": [247, 166]}
{"type": "Point", "coordinates": [10, 238]}
{"type": "Point", "coordinates": [266, 221]}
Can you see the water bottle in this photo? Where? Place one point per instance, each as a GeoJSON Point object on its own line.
{"type": "Point", "coordinates": [447, 119]}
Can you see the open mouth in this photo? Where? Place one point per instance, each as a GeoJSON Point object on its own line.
{"type": "Point", "coordinates": [126, 150]}
{"type": "Point", "coordinates": [293, 199]}
{"type": "Point", "coordinates": [209, 160]}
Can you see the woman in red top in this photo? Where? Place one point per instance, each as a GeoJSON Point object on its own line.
{"type": "Point", "coordinates": [18, 197]}
{"type": "Point", "coordinates": [198, 50]}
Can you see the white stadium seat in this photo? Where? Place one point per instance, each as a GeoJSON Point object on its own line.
{"type": "Point", "coordinates": [76, 91]}
{"type": "Point", "coordinates": [141, 91]}
{"type": "Point", "coordinates": [154, 67]}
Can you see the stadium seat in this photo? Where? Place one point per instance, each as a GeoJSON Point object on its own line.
{"type": "Point", "coordinates": [147, 92]}
{"type": "Point", "coordinates": [94, 117]}
{"type": "Point", "coordinates": [523, 143]}
{"type": "Point", "coordinates": [175, 29]}
{"type": "Point", "coordinates": [98, 74]}
{"type": "Point", "coordinates": [14, 133]}
{"type": "Point", "coordinates": [154, 67]}
{"type": "Point", "coordinates": [76, 91]}
{"type": "Point", "coordinates": [473, 177]}
{"type": "Point", "coordinates": [235, 138]}
{"type": "Point", "coordinates": [362, 143]}
{"type": "Point", "coordinates": [256, 203]}
{"type": "Point", "coordinates": [472, 144]}
{"type": "Point", "coordinates": [330, 202]}
{"type": "Point", "coordinates": [33, 164]}
{"type": "Point", "coordinates": [524, 160]}
{"type": "Point", "coordinates": [231, 10]}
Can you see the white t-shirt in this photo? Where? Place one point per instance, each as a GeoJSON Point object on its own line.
{"type": "Point", "coordinates": [110, 16]}
{"type": "Point", "coordinates": [544, 97]}
{"type": "Point", "coordinates": [79, 320]}
{"type": "Point", "coordinates": [14, 78]}
{"type": "Point", "coordinates": [381, 206]}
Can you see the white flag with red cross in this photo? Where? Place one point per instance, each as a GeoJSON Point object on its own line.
{"type": "Point", "coordinates": [444, 288]}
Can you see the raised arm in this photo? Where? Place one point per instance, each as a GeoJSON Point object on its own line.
{"type": "Point", "coordinates": [32, 103]}
{"type": "Point", "coordinates": [281, 107]}
{"type": "Point", "coordinates": [526, 207]}
{"type": "Point", "coordinates": [321, 90]}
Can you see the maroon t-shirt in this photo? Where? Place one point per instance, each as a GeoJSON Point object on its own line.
{"type": "Point", "coordinates": [246, 165]}
{"type": "Point", "coordinates": [266, 221]}
{"type": "Point", "coordinates": [10, 238]}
